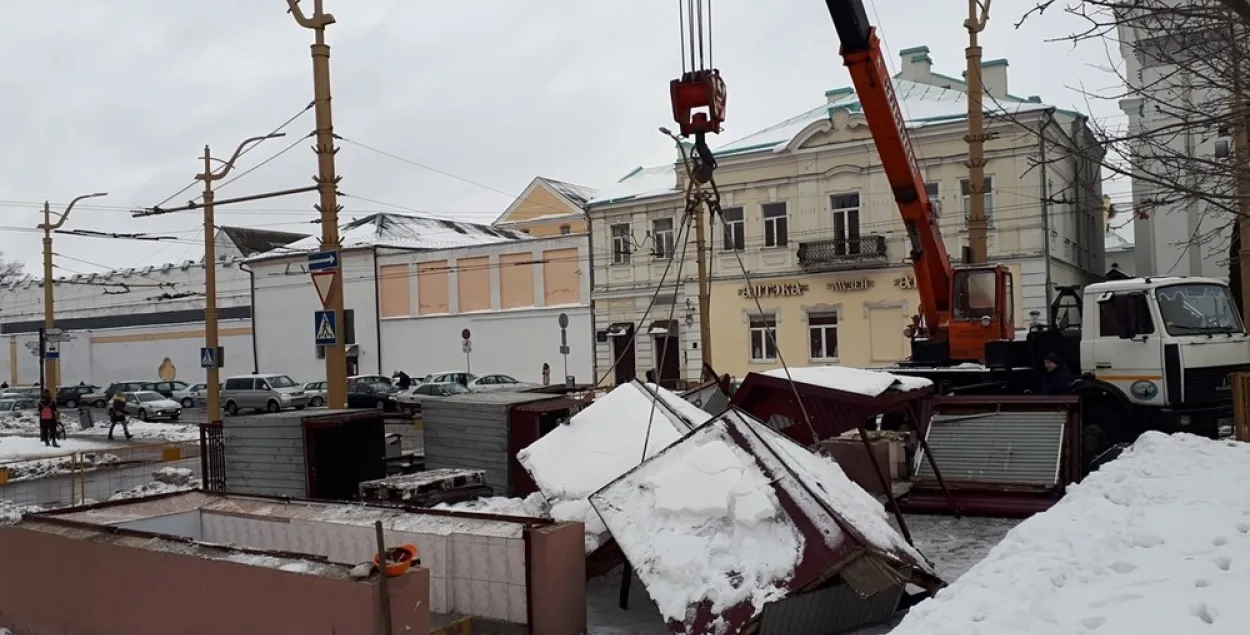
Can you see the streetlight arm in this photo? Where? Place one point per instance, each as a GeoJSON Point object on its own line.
{"type": "Point", "coordinates": [65, 214]}
{"type": "Point", "coordinates": [319, 19]}
{"type": "Point", "coordinates": [229, 165]}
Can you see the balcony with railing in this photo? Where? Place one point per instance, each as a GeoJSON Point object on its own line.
{"type": "Point", "coordinates": [860, 252]}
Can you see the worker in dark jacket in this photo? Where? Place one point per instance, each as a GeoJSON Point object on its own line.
{"type": "Point", "coordinates": [117, 414]}
{"type": "Point", "coordinates": [1058, 380]}
{"type": "Point", "coordinates": [402, 380]}
{"type": "Point", "coordinates": [47, 420]}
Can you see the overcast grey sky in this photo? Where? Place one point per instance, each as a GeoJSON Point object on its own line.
{"type": "Point", "coordinates": [121, 96]}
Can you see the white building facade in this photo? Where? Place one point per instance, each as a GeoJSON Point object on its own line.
{"type": "Point", "coordinates": [128, 324]}
{"type": "Point", "coordinates": [414, 284]}
{"type": "Point", "coordinates": [814, 184]}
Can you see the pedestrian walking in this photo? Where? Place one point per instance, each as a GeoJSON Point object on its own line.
{"type": "Point", "coordinates": [546, 374]}
{"type": "Point", "coordinates": [47, 420]}
{"type": "Point", "coordinates": [4, 385]}
{"type": "Point", "coordinates": [117, 414]}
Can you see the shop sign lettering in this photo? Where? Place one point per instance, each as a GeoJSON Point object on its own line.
{"type": "Point", "coordinates": [858, 284]}
{"type": "Point", "coordinates": [780, 290]}
{"type": "Point", "coordinates": [905, 282]}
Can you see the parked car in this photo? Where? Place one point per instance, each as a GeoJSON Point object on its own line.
{"type": "Point", "coordinates": [169, 388]}
{"type": "Point", "coordinates": [372, 394]}
{"type": "Point", "coordinates": [148, 405]}
{"type": "Point", "coordinates": [455, 376]}
{"type": "Point", "coordinates": [414, 398]}
{"type": "Point", "coordinates": [126, 386]}
{"type": "Point", "coordinates": [98, 398]}
{"type": "Point", "coordinates": [272, 393]}
{"type": "Point", "coordinates": [23, 391]}
{"type": "Point", "coordinates": [17, 404]}
{"type": "Point", "coordinates": [379, 379]}
{"type": "Point", "coordinates": [72, 396]}
{"type": "Point", "coordinates": [316, 392]}
{"type": "Point", "coordinates": [190, 396]}
{"type": "Point", "coordinates": [497, 383]}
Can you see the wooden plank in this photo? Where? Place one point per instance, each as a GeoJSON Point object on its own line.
{"type": "Point", "coordinates": [264, 433]}
{"type": "Point", "coordinates": [232, 444]}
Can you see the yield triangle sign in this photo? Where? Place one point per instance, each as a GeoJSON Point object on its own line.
{"type": "Point", "coordinates": [324, 282]}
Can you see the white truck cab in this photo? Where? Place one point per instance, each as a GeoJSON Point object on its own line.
{"type": "Point", "coordinates": [1166, 343]}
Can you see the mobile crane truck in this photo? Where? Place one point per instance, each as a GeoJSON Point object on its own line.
{"type": "Point", "coordinates": [1157, 354]}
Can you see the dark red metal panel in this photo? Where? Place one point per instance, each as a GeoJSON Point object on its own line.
{"type": "Point", "coordinates": [831, 412]}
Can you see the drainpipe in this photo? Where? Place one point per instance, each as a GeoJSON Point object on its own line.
{"type": "Point", "coordinates": [594, 329]}
{"type": "Point", "coordinates": [1045, 196]}
{"type": "Point", "coordinates": [377, 306]}
{"type": "Point", "coordinates": [251, 275]}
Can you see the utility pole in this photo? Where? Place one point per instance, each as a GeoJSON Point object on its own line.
{"type": "Point", "coordinates": [1241, 163]}
{"type": "Point", "coordinates": [51, 369]}
{"type": "Point", "coordinates": [705, 287]}
{"type": "Point", "coordinates": [212, 365]}
{"type": "Point", "coordinates": [327, 181]}
{"type": "Point", "coordinates": [978, 14]}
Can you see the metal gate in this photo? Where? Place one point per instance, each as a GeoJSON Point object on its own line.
{"type": "Point", "coordinates": [213, 457]}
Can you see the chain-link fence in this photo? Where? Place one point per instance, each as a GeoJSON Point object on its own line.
{"type": "Point", "coordinates": [77, 478]}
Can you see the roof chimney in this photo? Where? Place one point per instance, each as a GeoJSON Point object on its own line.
{"type": "Point", "coordinates": [916, 66]}
{"type": "Point", "coordinates": [993, 78]}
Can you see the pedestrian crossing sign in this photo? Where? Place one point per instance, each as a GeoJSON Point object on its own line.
{"type": "Point", "coordinates": [325, 328]}
{"type": "Point", "coordinates": [208, 358]}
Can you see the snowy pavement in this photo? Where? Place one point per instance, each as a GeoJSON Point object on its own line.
{"type": "Point", "coordinates": [1155, 541]}
{"type": "Point", "coordinates": [26, 448]}
{"type": "Point", "coordinates": [27, 424]}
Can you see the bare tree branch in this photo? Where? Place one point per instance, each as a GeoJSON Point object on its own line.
{"type": "Point", "coordinates": [10, 271]}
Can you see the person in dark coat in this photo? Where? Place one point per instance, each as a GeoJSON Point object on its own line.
{"type": "Point", "coordinates": [117, 414]}
{"type": "Point", "coordinates": [47, 420]}
{"type": "Point", "coordinates": [405, 382]}
{"type": "Point", "coordinates": [1058, 380]}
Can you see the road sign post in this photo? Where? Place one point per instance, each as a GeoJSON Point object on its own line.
{"type": "Point", "coordinates": [467, 347]}
{"type": "Point", "coordinates": [325, 328]}
{"type": "Point", "coordinates": [563, 321]}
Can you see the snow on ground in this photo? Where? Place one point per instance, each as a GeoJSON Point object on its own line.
{"type": "Point", "coordinates": [28, 423]}
{"type": "Point", "coordinates": [23, 448]}
{"type": "Point", "coordinates": [601, 443]}
{"type": "Point", "coordinates": [1155, 541]}
{"type": "Point", "coordinates": [702, 522]}
{"type": "Point", "coordinates": [25, 470]}
{"type": "Point", "coordinates": [533, 506]}
{"type": "Point", "coordinates": [166, 480]}
{"type": "Point", "coordinates": [870, 383]}
{"type": "Point", "coordinates": [11, 513]}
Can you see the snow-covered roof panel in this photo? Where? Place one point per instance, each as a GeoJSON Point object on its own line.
{"type": "Point", "coordinates": [735, 516]}
{"type": "Point", "coordinates": [602, 442]}
{"type": "Point", "coordinates": [404, 231]}
{"type": "Point", "coordinates": [1115, 241]}
{"type": "Point", "coordinates": [922, 104]}
{"type": "Point", "coordinates": [641, 183]}
{"type": "Point", "coordinates": [1145, 544]}
{"type": "Point", "coordinates": [578, 194]}
{"type": "Point", "coordinates": [869, 383]}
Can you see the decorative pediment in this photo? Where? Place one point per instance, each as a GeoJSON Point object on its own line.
{"type": "Point", "coordinates": [843, 124]}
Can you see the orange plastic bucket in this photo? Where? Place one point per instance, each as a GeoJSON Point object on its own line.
{"type": "Point", "coordinates": [399, 560]}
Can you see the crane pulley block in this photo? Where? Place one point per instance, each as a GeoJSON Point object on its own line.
{"type": "Point", "coordinates": [698, 102]}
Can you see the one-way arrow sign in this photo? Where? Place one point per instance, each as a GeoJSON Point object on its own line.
{"type": "Point", "coordinates": [323, 261]}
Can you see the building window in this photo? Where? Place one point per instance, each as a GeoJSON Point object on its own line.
{"type": "Point", "coordinates": [566, 229]}
{"type": "Point", "coordinates": [622, 244]}
{"type": "Point", "coordinates": [735, 230]}
{"type": "Point", "coordinates": [662, 234]}
{"type": "Point", "coordinates": [822, 332]}
{"type": "Point", "coordinates": [845, 223]}
{"type": "Point", "coordinates": [964, 191]}
{"type": "Point", "coordinates": [775, 234]}
{"type": "Point", "coordinates": [935, 198]}
{"type": "Point", "coordinates": [764, 338]}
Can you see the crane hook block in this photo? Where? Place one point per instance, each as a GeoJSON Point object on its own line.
{"type": "Point", "coordinates": [698, 102]}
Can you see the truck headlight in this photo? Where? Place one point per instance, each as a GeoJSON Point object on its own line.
{"type": "Point", "coordinates": [1144, 389]}
{"type": "Point", "coordinates": [1183, 420]}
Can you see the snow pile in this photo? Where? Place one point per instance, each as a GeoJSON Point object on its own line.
{"type": "Point", "coordinates": [702, 522]}
{"type": "Point", "coordinates": [11, 513]}
{"type": "Point", "coordinates": [273, 562]}
{"type": "Point", "coordinates": [27, 421]}
{"type": "Point", "coordinates": [142, 431]}
{"type": "Point", "coordinates": [602, 442]}
{"type": "Point", "coordinates": [165, 481]}
{"type": "Point", "coordinates": [870, 383]}
{"type": "Point", "coordinates": [533, 506]}
{"type": "Point", "coordinates": [1155, 541]}
{"type": "Point", "coordinates": [42, 468]}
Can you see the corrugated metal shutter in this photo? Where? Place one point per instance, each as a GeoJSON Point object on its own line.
{"type": "Point", "coordinates": [832, 610]}
{"type": "Point", "coordinates": [1005, 447]}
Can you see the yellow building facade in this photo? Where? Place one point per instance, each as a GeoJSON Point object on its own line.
{"type": "Point", "coordinates": [548, 207]}
{"type": "Point", "coordinates": [850, 318]}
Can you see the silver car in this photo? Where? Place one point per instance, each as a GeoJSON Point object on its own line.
{"type": "Point", "coordinates": [270, 393]}
{"type": "Point", "coordinates": [498, 383]}
{"type": "Point", "coordinates": [316, 393]}
{"type": "Point", "coordinates": [192, 396]}
{"type": "Point", "coordinates": [148, 405]}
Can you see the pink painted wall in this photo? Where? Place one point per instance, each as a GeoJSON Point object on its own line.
{"type": "Point", "coordinates": [516, 280]}
{"type": "Point", "coordinates": [433, 292]}
{"type": "Point", "coordinates": [133, 591]}
{"type": "Point", "coordinates": [561, 277]}
{"type": "Point", "coordinates": [473, 284]}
